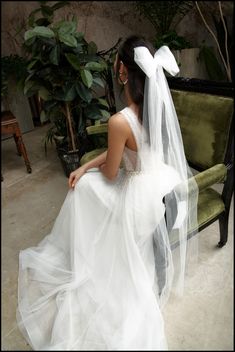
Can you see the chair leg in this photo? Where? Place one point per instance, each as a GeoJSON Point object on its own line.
{"type": "Point", "coordinates": [223, 226]}
{"type": "Point", "coordinates": [16, 138]}
{"type": "Point", "coordinates": [22, 149]}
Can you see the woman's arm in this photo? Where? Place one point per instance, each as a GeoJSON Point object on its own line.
{"type": "Point", "coordinates": [109, 161]}
{"type": "Point", "coordinates": [96, 162]}
{"type": "Point", "coordinates": [78, 173]}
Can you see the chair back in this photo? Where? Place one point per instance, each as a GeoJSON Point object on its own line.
{"type": "Point", "coordinates": [205, 117]}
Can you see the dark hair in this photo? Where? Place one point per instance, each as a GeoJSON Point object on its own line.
{"type": "Point", "coordinates": [136, 77]}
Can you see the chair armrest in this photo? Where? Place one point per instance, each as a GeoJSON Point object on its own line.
{"type": "Point", "coordinates": [97, 129]}
{"type": "Point", "coordinates": [204, 179]}
{"type": "Point", "coordinates": [209, 177]}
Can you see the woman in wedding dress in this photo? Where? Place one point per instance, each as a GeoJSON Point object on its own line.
{"type": "Point", "coordinates": [96, 282]}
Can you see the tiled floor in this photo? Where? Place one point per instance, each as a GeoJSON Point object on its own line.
{"type": "Point", "coordinates": [201, 320]}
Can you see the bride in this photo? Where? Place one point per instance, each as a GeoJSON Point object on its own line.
{"type": "Point", "coordinates": [99, 280]}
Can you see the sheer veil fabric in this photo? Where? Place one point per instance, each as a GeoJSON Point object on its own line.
{"type": "Point", "coordinates": [99, 280]}
{"type": "Point", "coordinates": [162, 147]}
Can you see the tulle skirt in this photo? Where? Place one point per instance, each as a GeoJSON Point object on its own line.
{"type": "Point", "coordinates": [91, 283]}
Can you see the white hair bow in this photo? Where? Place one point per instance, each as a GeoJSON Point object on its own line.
{"type": "Point", "coordinates": [162, 58]}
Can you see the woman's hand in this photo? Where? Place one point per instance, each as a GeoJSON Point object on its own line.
{"type": "Point", "coordinates": [75, 176]}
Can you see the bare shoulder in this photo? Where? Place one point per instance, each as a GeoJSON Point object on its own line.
{"type": "Point", "coordinates": [118, 122]}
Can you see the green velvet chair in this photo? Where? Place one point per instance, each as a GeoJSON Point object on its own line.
{"type": "Point", "coordinates": [205, 112]}
{"type": "Point", "coordinates": [206, 116]}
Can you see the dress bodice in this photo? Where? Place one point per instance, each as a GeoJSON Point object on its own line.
{"type": "Point", "coordinates": [130, 157]}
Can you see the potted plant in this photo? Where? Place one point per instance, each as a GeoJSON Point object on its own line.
{"type": "Point", "coordinates": [41, 16]}
{"type": "Point", "coordinates": [65, 71]}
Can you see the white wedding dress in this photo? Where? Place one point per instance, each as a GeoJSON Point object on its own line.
{"type": "Point", "coordinates": [91, 284]}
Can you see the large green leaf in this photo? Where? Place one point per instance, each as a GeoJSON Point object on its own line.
{"type": "Point", "coordinates": [29, 35]}
{"type": "Point", "coordinates": [39, 31]}
{"type": "Point", "coordinates": [78, 50]}
{"type": "Point", "coordinates": [30, 41]}
{"type": "Point", "coordinates": [43, 117]}
{"type": "Point", "coordinates": [98, 81]}
{"type": "Point", "coordinates": [29, 76]}
{"type": "Point", "coordinates": [68, 39]}
{"type": "Point", "coordinates": [58, 24]}
{"type": "Point", "coordinates": [73, 60]}
{"type": "Point", "coordinates": [103, 63]}
{"type": "Point", "coordinates": [94, 66]}
{"type": "Point", "coordinates": [50, 42]}
{"type": "Point", "coordinates": [103, 102]}
{"type": "Point", "coordinates": [66, 27]}
{"type": "Point", "coordinates": [85, 58]}
{"type": "Point", "coordinates": [92, 48]}
{"type": "Point", "coordinates": [83, 92]}
{"type": "Point", "coordinates": [70, 94]}
{"type": "Point", "coordinates": [28, 86]}
{"type": "Point", "coordinates": [44, 94]}
{"type": "Point", "coordinates": [87, 78]}
{"type": "Point", "coordinates": [54, 55]}
{"type": "Point", "coordinates": [105, 113]}
{"type": "Point", "coordinates": [31, 64]}
{"type": "Point", "coordinates": [93, 112]}
{"type": "Point", "coordinates": [79, 35]}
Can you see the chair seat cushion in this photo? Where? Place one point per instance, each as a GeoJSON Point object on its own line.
{"type": "Point", "coordinates": [210, 204]}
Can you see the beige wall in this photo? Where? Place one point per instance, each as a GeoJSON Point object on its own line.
{"type": "Point", "coordinates": [105, 21]}
{"type": "Point", "coordinates": [102, 21]}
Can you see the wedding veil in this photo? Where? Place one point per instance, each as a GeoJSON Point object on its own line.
{"type": "Point", "coordinates": [162, 149]}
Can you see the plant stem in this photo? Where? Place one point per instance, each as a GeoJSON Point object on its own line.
{"type": "Point", "coordinates": [212, 33]}
{"type": "Point", "coordinates": [226, 41]}
{"type": "Point", "coordinates": [70, 125]}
